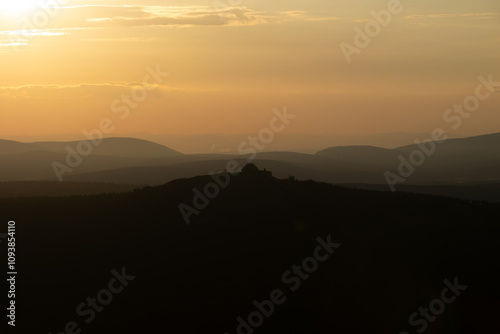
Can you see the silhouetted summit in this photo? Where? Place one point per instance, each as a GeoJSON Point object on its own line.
{"type": "Point", "coordinates": [251, 169]}
{"type": "Point", "coordinates": [472, 160]}
{"type": "Point", "coordinates": [396, 250]}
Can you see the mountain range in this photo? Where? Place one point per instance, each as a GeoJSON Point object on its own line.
{"type": "Point", "coordinates": [461, 162]}
{"type": "Point", "coordinates": [393, 253]}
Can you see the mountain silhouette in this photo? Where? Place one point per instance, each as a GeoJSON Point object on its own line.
{"type": "Point", "coordinates": [33, 161]}
{"type": "Point", "coordinates": [362, 154]}
{"type": "Point", "coordinates": [120, 147]}
{"type": "Point", "coordinates": [396, 251]}
{"type": "Point", "coordinates": [117, 147]}
{"type": "Point", "coordinates": [464, 163]}
{"type": "Point", "coordinates": [14, 147]}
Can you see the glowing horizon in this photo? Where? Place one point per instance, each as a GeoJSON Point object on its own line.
{"type": "Point", "coordinates": [230, 65]}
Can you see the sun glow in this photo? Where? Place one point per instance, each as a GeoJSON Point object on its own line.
{"type": "Point", "coordinates": [18, 7]}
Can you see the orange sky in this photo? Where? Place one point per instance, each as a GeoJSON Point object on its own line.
{"type": "Point", "coordinates": [229, 66]}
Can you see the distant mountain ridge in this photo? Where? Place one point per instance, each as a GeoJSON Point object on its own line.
{"type": "Point", "coordinates": [473, 146]}
{"type": "Point", "coordinates": [485, 146]}
{"type": "Point", "coordinates": [133, 161]}
{"type": "Point", "coordinates": [114, 146]}
{"type": "Point", "coordinates": [361, 154]}
{"type": "Point", "coordinates": [14, 147]}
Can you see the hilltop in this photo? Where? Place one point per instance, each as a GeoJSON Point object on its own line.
{"type": "Point", "coordinates": [396, 250]}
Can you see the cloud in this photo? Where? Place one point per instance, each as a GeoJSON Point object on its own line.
{"type": "Point", "coordinates": [236, 16]}
{"type": "Point", "coordinates": [80, 91]}
{"type": "Point", "coordinates": [100, 16]}
{"type": "Point", "coordinates": [303, 15]}
{"type": "Point", "coordinates": [124, 39]}
{"type": "Point", "coordinates": [294, 13]}
{"type": "Point", "coordinates": [14, 38]}
{"type": "Point", "coordinates": [319, 19]}
{"type": "Point", "coordinates": [134, 16]}
{"type": "Point", "coordinates": [110, 16]}
{"type": "Point", "coordinates": [7, 43]}
{"type": "Point", "coordinates": [26, 34]}
{"type": "Point", "coordinates": [69, 19]}
{"type": "Point", "coordinates": [478, 16]}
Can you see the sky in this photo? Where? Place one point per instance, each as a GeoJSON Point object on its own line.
{"type": "Point", "coordinates": [231, 62]}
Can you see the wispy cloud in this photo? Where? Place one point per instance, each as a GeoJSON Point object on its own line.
{"type": "Point", "coordinates": [124, 15]}
{"type": "Point", "coordinates": [319, 19]}
{"type": "Point", "coordinates": [39, 32]}
{"type": "Point", "coordinates": [477, 16]}
{"type": "Point", "coordinates": [104, 16]}
{"type": "Point", "coordinates": [79, 91]}
{"type": "Point", "coordinates": [85, 17]}
{"type": "Point", "coordinates": [294, 13]}
{"type": "Point", "coordinates": [10, 38]}
{"type": "Point", "coordinates": [179, 16]}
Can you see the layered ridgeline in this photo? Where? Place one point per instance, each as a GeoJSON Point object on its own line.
{"type": "Point", "coordinates": [51, 160]}
{"type": "Point", "coordinates": [473, 159]}
{"type": "Point", "coordinates": [467, 163]}
{"type": "Point", "coordinates": [260, 255]}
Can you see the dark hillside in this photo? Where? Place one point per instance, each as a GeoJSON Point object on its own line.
{"type": "Point", "coordinates": [396, 251]}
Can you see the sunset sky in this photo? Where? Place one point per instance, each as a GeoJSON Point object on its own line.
{"type": "Point", "coordinates": [229, 66]}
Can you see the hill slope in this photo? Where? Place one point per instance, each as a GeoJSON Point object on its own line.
{"type": "Point", "coordinates": [131, 161]}
{"type": "Point", "coordinates": [116, 147]}
{"type": "Point", "coordinates": [396, 250]}
{"type": "Point", "coordinates": [33, 161]}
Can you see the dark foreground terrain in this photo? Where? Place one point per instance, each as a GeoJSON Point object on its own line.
{"type": "Point", "coordinates": [396, 251]}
